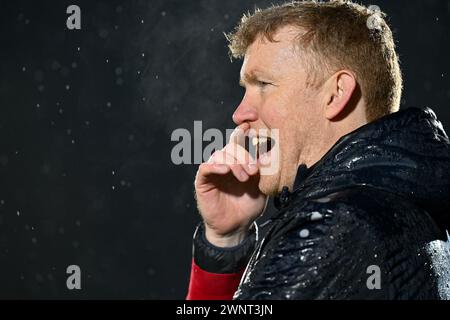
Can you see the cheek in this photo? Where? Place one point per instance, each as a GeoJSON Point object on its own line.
{"type": "Point", "coordinates": [276, 110]}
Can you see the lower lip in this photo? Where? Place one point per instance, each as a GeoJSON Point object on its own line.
{"type": "Point", "coordinates": [265, 157]}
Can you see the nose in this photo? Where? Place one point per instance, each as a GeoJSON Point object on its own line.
{"type": "Point", "coordinates": [245, 112]}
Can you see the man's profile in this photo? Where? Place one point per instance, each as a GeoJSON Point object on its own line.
{"type": "Point", "coordinates": [361, 188]}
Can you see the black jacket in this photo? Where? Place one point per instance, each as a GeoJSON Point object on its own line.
{"type": "Point", "coordinates": [368, 221]}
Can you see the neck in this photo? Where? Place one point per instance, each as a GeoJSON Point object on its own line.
{"type": "Point", "coordinates": [331, 133]}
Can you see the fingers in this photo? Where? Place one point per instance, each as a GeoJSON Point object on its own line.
{"type": "Point", "coordinates": [222, 163]}
{"type": "Point", "coordinates": [240, 170]}
{"type": "Point", "coordinates": [239, 133]}
{"type": "Point", "coordinates": [240, 157]}
{"type": "Point", "coordinates": [232, 158]}
{"type": "Point", "coordinates": [236, 149]}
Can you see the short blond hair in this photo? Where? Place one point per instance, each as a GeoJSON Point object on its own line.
{"type": "Point", "coordinates": [336, 35]}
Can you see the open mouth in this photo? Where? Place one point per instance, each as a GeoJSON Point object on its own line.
{"type": "Point", "coordinates": [258, 145]}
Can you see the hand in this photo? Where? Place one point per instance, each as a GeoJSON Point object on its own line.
{"type": "Point", "coordinates": [227, 192]}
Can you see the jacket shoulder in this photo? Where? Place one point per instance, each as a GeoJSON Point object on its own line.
{"type": "Point", "coordinates": [323, 248]}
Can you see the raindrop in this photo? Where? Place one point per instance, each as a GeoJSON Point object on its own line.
{"type": "Point", "coordinates": [24, 69]}
{"type": "Point", "coordinates": [73, 141]}
{"type": "Point", "coordinates": [18, 213]}
{"type": "Point", "coordinates": [118, 71]}
{"type": "Point", "coordinates": [304, 233]}
{"type": "Point", "coordinates": [108, 104]}
{"type": "Point", "coordinates": [113, 187]}
{"type": "Point", "coordinates": [163, 13]}
{"type": "Point", "coordinates": [316, 216]}
{"type": "Point", "coordinates": [38, 105]}
{"type": "Point", "coordinates": [113, 172]}
{"type": "Point", "coordinates": [67, 87]}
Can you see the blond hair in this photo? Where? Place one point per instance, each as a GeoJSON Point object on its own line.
{"type": "Point", "coordinates": [336, 35]}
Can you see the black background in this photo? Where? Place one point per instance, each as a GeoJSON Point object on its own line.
{"type": "Point", "coordinates": [86, 118]}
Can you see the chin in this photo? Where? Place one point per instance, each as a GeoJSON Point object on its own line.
{"type": "Point", "coordinates": [269, 185]}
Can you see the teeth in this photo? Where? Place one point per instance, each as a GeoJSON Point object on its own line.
{"type": "Point", "coordinates": [256, 140]}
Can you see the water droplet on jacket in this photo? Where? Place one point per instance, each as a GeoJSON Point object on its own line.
{"type": "Point", "coordinates": [304, 233]}
{"type": "Point", "coordinates": [316, 216]}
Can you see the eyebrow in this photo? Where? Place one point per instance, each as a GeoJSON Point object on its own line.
{"type": "Point", "coordinates": [252, 77]}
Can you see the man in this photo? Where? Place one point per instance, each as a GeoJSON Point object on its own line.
{"type": "Point", "coordinates": [362, 188]}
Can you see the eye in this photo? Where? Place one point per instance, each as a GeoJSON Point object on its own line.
{"type": "Point", "coordinates": [263, 83]}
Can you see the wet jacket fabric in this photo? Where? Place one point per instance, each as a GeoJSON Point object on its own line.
{"type": "Point", "coordinates": [368, 221]}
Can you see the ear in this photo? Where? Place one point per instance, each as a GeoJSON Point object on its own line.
{"type": "Point", "coordinates": [339, 90]}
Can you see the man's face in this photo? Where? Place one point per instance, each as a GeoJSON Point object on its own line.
{"type": "Point", "coordinates": [277, 97]}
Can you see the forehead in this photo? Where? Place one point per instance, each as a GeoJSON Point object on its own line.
{"type": "Point", "coordinates": [279, 56]}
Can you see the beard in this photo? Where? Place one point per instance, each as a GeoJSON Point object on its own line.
{"type": "Point", "coordinates": [269, 184]}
